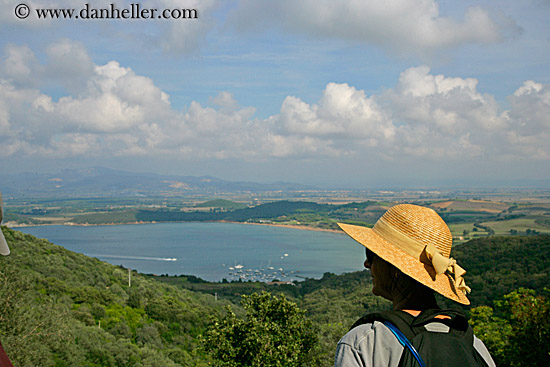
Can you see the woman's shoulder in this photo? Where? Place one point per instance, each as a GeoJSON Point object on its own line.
{"type": "Point", "coordinates": [357, 347]}
{"type": "Point", "coordinates": [366, 334]}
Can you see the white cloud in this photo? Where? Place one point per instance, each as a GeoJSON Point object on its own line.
{"type": "Point", "coordinates": [529, 119]}
{"type": "Point", "coordinates": [442, 117]}
{"type": "Point", "coordinates": [20, 65]}
{"type": "Point", "coordinates": [342, 110]}
{"type": "Point", "coordinates": [73, 144]}
{"type": "Point", "coordinates": [120, 113]}
{"type": "Point", "coordinates": [400, 25]}
{"type": "Point", "coordinates": [224, 100]}
{"type": "Point", "coordinates": [68, 64]}
{"type": "Point", "coordinates": [450, 104]}
{"type": "Point", "coordinates": [115, 100]}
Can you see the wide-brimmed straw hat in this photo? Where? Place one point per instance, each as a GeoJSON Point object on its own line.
{"type": "Point", "coordinates": [418, 242]}
{"type": "Point", "coordinates": [4, 249]}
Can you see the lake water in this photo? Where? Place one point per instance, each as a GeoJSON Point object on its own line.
{"type": "Point", "coordinates": [212, 251]}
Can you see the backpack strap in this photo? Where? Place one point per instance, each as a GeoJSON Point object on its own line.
{"type": "Point", "coordinates": [409, 325]}
{"type": "Point", "coordinates": [399, 323]}
{"type": "Point", "coordinates": [456, 320]}
{"type": "Point", "coordinates": [405, 342]}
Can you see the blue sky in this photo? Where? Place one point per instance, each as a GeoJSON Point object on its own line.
{"type": "Point", "coordinates": [335, 93]}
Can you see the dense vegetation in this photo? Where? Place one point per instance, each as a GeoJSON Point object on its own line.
{"type": "Point", "coordinates": [264, 211]}
{"type": "Point", "coordinates": [59, 308]}
{"type": "Point", "coordinates": [517, 331]}
{"type": "Point", "coordinates": [275, 332]}
{"type": "Point", "coordinates": [498, 265]}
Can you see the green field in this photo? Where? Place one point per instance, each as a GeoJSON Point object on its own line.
{"type": "Point", "coordinates": [519, 224]}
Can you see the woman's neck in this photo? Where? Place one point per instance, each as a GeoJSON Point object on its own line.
{"type": "Point", "coordinates": [408, 294]}
{"type": "Point", "coordinates": [415, 302]}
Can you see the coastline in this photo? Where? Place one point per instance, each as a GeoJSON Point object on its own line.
{"type": "Point", "coordinates": [69, 224]}
{"type": "Point", "coordinates": [306, 228]}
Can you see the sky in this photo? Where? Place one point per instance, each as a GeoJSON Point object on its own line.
{"type": "Point", "coordinates": [350, 93]}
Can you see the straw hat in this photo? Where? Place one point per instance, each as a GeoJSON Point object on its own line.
{"type": "Point", "coordinates": [418, 242]}
{"type": "Point", "coordinates": [4, 249]}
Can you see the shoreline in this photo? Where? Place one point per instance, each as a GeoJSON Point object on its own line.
{"type": "Point", "coordinates": [306, 228]}
{"type": "Point", "coordinates": [69, 224]}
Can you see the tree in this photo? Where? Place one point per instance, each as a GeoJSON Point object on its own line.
{"type": "Point", "coordinates": [494, 331]}
{"type": "Point", "coordinates": [274, 332]}
{"type": "Point", "coordinates": [530, 320]}
{"type": "Point", "coordinates": [521, 335]}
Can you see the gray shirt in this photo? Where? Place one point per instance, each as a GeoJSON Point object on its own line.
{"type": "Point", "coordinates": [374, 345]}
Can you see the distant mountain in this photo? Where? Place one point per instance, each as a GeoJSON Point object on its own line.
{"type": "Point", "coordinates": [105, 182]}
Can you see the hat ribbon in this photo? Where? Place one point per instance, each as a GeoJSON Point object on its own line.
{"type": "Point", "coordinates": [443, 264]}
{"type": "Point", "coordinates": [428, 254]}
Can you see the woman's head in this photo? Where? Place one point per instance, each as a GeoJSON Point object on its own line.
{"type": "Point", "coordinates": [417, 242]}
{"type": "Point", "coordinates": [382, 274]}
{"type": "Point", "coordinates": [390, 283]}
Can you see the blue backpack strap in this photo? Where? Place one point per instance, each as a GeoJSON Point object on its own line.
{"type": "Point", "coordinates": [405, 342]}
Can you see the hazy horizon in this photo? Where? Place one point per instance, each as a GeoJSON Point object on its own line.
{"type": "Point", "coordinates": [416, 185]}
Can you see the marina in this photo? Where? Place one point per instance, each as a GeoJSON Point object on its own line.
{"type": "Point", "coordinates": [269, 274]}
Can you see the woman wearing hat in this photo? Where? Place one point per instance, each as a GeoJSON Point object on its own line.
{"type": "Point", "coordinates": [408, 254]}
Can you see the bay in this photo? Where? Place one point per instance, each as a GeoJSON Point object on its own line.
{"type": "Point", "coordinates": [212, 251]}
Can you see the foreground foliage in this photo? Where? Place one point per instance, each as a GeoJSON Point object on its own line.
{"type": "Point", "coordinates": [275, 332]}
{"type": "Point", "coordinates": [59, 308]}
{"type": "Point", "coordinates": [499, 265]}
{"type": "Point", "coordinates": [517, 332]}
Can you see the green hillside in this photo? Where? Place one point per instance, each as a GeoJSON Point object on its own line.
{"type": "Point", "coordinates": [59, 308]}
{"type": "Point", "coordinates": [498, 265]}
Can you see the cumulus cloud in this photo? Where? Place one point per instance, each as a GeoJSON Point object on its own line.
{"type": "Point", "coordinates": [443, 114]}
{"type": "Point", "coordinates": [20, 65]}
{"type": "Point", "coordinates": [69, 64]}
{"type": "Point", "coordinates": [530, 126]}
{"type": "Point", "coordinates": [401, 25]}
{"type": "Point", "coordinates": [120, 113]}
{"type": "Point", "coordinates": [344, 118]}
